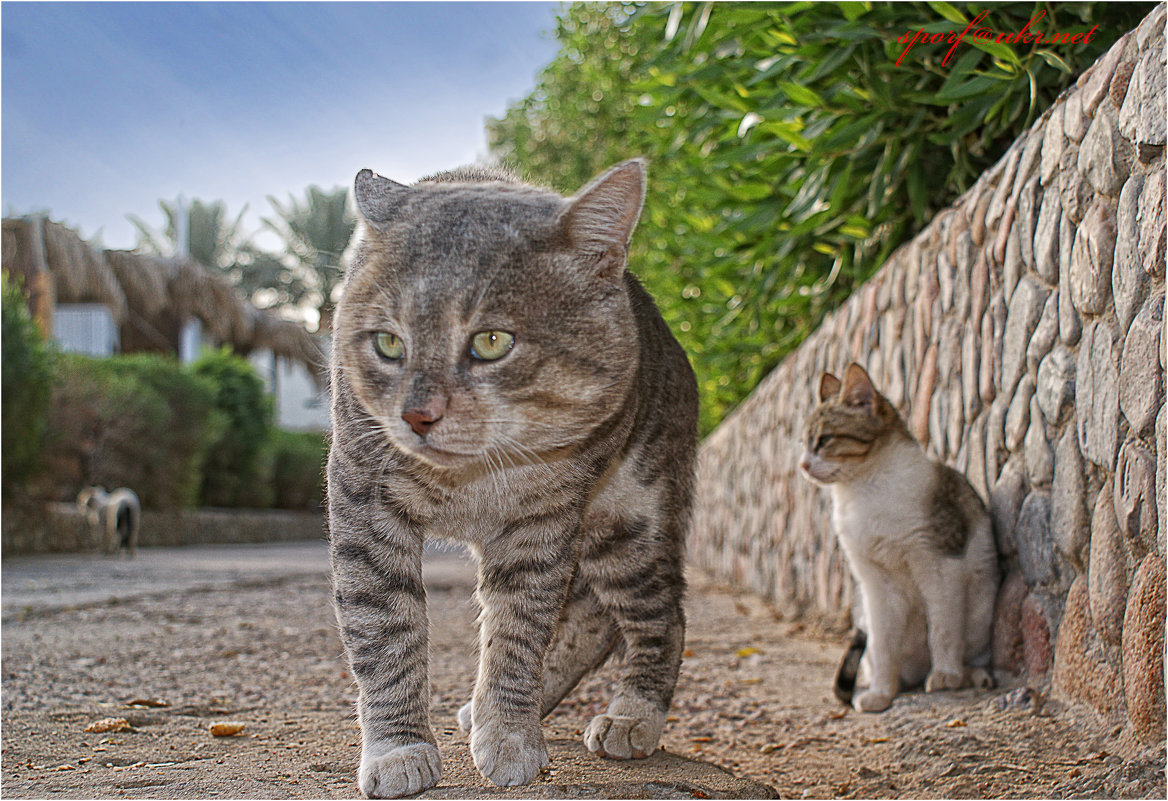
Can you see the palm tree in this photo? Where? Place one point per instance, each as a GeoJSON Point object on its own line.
{"type": "Point", "coordinates": [213, 237]}
{"type": "Point", "coordinates": [315, 233]}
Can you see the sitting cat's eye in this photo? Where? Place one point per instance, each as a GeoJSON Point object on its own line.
{"type": "Point", "coordinates": [823, 440]}
{"type": "Point", "coordinates": [488, 346]}
{"type": "Point", "coordinates": [389, 345]}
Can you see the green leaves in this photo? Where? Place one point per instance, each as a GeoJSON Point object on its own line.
{"type": "Point", "coordinates": [789, 152]}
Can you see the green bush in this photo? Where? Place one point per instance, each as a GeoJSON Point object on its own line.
{"type": "Point", "coordinates": [299, 469]}
{"type": "Point", "coordinates": [138, 421]}
{"type": "Point", "coordinates": [234, 472]}
{"type": "Point", "coordinates": [789, 153]}
{"type": "Point", "coordinates": [27, 386]}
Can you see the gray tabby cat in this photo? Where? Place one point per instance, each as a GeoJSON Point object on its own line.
{"type": "Point", "coordinates": [499, 379]}
{"type": "Point", "coordinates": [919, 543]}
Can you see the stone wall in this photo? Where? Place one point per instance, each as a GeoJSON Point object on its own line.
{"type": "Point", "coordinates": [1021, 336]}
{"type": "Point", "coordinates": [60, 527]}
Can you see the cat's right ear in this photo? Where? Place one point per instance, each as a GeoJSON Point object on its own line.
{"type": "Point", "coordinates": [378, 199]}
{"type": "Point", "coordinates": [829, 387]}
{"type": "Point", "coordinates": [599, 221]}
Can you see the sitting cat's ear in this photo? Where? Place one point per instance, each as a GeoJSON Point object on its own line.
{"type": "Point", "coordinates": [600, 219]}
{"type": "Point", "coordinates": [829, 387]}
{"type": "Point", "coordinates": [378, 199]}
{"type": "Point", "coordinates": [857, 388]}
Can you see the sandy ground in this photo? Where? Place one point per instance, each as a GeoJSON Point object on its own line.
{"type": "Point", "coordinates": [255, 642]}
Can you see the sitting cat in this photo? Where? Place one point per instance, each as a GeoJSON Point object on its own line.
{"type": "Point", "coordinates": [114, 515]}
{"type": "Point", "coordinates": [919, 543]}
{"type": "Point", "coordinates": [499, 379]}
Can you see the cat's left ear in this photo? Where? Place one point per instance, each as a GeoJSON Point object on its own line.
{"type": "Point", "coordinates": [857, 389]}
{"type": "Point", "coordinates": [600, 219]}
{"type": "Point", "coordinates": [829, 387]}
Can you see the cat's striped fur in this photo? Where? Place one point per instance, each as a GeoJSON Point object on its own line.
{"type": "Point", "coordinates": [566, 465]}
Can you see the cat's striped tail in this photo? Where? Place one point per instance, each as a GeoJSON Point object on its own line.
{"type": "Point", "coordinates": [845, 677]}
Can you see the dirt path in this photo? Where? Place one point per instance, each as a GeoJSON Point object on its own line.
{"type": "Point", "coordinates": [754, 698]}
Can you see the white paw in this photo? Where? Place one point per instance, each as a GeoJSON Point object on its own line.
{"type": "Point", "coordinates": [873, 701]}
{"type": "Point", "coordinates": [466, 717]}
{"type": "Point", "coordinates": [942, 680]}
{"type": "Point", "coordinates": [405, 770]}
{"type": "Point", "coordinates": [981, 679]}
{"type": "Point", "coordinates": [619, 737]}
{"type": "Point", "coordinates": [508, 757]}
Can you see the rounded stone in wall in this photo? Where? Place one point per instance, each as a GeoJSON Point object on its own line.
{"type": "Point", "coordinates": [1141, 117]}
{"type": "Point", "coordinates": [1007, 641]}
{"type": "Point", "coordinates": [1039, 454]}
{"type": "Point", "coordinates": [1141, 379]}
{"type": "Point", "coordinates": [1045, 334]}
{"type": "Point", "coordinates": [1153, 231]}
{"type": "Point", "coordinates": [1036, 548]}
{"type": "Point", "coordinates": [1143, 651]}
{"type": "Point", "coordinates": [1091, 259]}
{"type": "Point", "coordinates": [1097, 395]}
{"type": "Point", "coordinates": [1055, 388]}
{"type": "Point", "coordinates": [1105, 157]}
{"type": "Point", "coordinates": [1081, 670]}
{"type": "Point", "coordinates": [1018, 415]}
{"type": "Point", "coordinates": [1107, 571]}
{"type": "Point", "coordinates": [1135, 497]}
{"type": "Point", "coordinates": [1129, 281]}
{"type": "Point", "coordinates": [1006, 499]}
{"type": "Point", "coordinates": [1068, 516]}
{"type": "Point", "coordinates": [1026, 306]}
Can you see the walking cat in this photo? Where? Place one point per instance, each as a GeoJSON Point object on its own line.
{"type": "Point", "coordinates": [919, 543]}
{"type": "Point", "coordinates": [116, 516]}
{"type": "Point", "coordinates": [499, 379]}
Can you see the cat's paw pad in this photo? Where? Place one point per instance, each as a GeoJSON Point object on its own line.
{"type": "Point", "coordinates": [401, 771]}
{"type": "Point", "coordinates": [508, 757]}
{"type": "Point", "coordinates": [466, 717]}
{"type": "Point", "coordinates": [873, 701]}
{"type": "Point", "coordinates": [942, 680]}
{"type": "Point", "coordinates": [618, 737]}
{"type": "Point", "coordinates": [981, 679]}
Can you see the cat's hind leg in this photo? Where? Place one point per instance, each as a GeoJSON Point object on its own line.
{"type": "Point", "coordinates": [585, 637]}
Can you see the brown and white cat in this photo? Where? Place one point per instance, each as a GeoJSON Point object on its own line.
{"type": "Point", "coordinates": [919, 543]}
{"type": "Point", "coordinates": [499, 379]}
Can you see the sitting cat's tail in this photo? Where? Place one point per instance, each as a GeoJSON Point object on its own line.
{"type": "Point", "coordinates": [845, 677]}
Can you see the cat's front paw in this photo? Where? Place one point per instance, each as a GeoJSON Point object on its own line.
{"type": "Point", "coordinates": [404, 770]}
{"type": "Point", "coordinates": [466, 717]}
{"type": "Point", "coordinates": [620, 737]}
{"type": "Point", "coordinates": [508, 756]}
{"type": "Point", "coordinates": [942, 680]}
{"type": "Point", "coordinates": [873, 701]}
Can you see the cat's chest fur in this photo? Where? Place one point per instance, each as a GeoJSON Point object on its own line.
{"type": "Point", "coordinates": [883, 515]}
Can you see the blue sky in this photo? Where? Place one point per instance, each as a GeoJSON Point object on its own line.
{"type": "Point", "coordinates": [107, 107]}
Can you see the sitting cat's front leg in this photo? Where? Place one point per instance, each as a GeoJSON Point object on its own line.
{"type": "Point", "coordinates": [942, 585]}
{"type": "Point", "coordinates": [523, 579]}
{"type": "Point", "coordinates": [885, 611]}
{"type": "Point", "coordinates": [381, 608]}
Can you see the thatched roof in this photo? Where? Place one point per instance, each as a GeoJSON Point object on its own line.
{"type": "Point", "coordinates": [286, 338]}
{"type": "Point", "coordinates": [146, 290]}
{"type": "Point", "coordinates": [142, 279]}
{"type": "Point", "coordinates": [195, 291]}
{"type": "Point", "coordinates": [80, 273]}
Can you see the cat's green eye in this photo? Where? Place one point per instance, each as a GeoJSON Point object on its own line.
{"type": "Point", "coordinates": [487, 346]}
{"type": "Point", "coordinates": [389, 345]}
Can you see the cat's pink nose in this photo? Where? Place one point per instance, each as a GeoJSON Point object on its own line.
{"type": "Point", "coordinates": [806, 465]}
{"type": "Point", "coordinates": [422, 420]}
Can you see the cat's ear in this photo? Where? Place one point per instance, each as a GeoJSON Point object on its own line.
{"type": "Point", "coordinates": [378, 199]}
{"type": "Point", "coordinates": [599, 221]}
{"type": "Point", "coordinates": [857, 388]}
{"type": "Point", "coordinates": [829, 387]}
